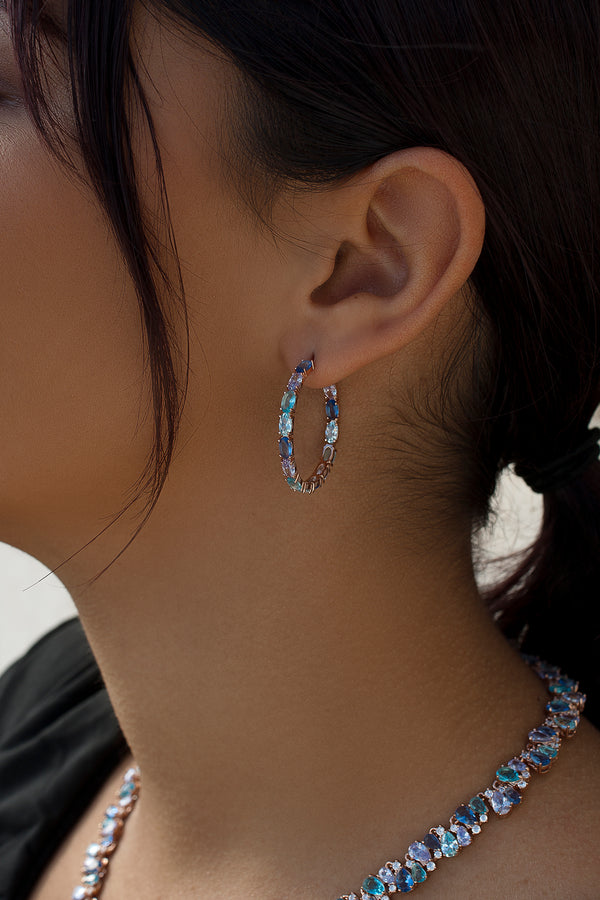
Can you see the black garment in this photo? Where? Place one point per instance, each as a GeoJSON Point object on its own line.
{"type": "Point", "coordinates": [59, 742]}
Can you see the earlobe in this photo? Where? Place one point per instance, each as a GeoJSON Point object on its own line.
{"type": "Point", "coordinates": [414, 226]}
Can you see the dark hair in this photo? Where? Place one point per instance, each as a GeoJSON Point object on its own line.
{"type": "Point", "coordinates": [511, 88]}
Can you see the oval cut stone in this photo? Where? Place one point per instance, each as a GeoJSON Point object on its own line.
{"type": "Point", "coordinates": [285, 423]}
{"type": "Point", "coordinates": [500, 803]}
{"type": "Point", "coordinates": [328, 453]}
{"type": "Point", "coordinates": [505, 773]}
{"type": "Point", "coordinates": [449, 844]}
{"type": "Point", "coordinates": [295, 485]}
{"type": "Point", "coordinates": [127, 789]}
{"type": "Point", "coordinates": [285, 447]}
{"type": "Point", "coordinates": [288, 401]}
{"type": "Point", "coordinates": [108, 826]}
{"type": "Point", "coordinates": [386, 875]}
{"type": "Point", "coordinates": [91, 864]}
{"type": "Point", "coordinates": [404, 881]}
{"type": "Point", "coordinates": [90, 879]}
{"type": "Point", "coordinates": [295, 382]}
{"type": "Point", "coordinates": [462, 836]}
{"type": "Point", "coordinates": [557, 706]}
{"type": "Point", "coordinates": [519, 766]}
{"type": "Point", "coordinates": [418, 873]}
{"type": "Point", "coordinates": [93, 850]}
{"type": "Point", "coordinates": [478, 805]}
{"type": "Point", "coordinates": [331, 431]}
{"type": "Point", "coordinates": [432, 841]}
{"type": "Point", "coordinates": [332, 409]}
{"type": "Point", "coordinates": [465, 815]}
{"type": "Point", "coordinates": [374, 886]}
{"type": "Point", "coordinates": [305, 366]}
{"type": "Point", "coordinates": [419, 851]}
{"type": "Point", "coordinates": [80, 893]}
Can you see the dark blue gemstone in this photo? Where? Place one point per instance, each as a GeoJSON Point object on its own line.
{"type": "Point", "coordinates": [513, 795]}
{"type": "Point", "coordinates": [465, 816]}
{"type": "Point", "coordinates": [404, 881]}
{"type": "Point", "coordinates": [538, 758]}
{"type": "Point", "coordinates": [332, 409]}
{"type": "Point", "coordinates": [285, 447]}
{"type": "Point", "coordinates": [432, 842]}
{"type": "Point", "coordinates": [305, 366]}
{"type": "Point", "coordinates": [557, 706]}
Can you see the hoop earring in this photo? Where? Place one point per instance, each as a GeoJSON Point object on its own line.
{"type": "Point", "coordinates": [286, 427]}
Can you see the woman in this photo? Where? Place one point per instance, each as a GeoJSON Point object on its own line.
{"type": "Point", "coordinates": [196, 198]}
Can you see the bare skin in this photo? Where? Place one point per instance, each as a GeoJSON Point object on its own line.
{"type": "Point", "coordinates": [307, 683]}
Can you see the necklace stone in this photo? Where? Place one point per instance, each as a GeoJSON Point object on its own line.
{"type": "Point", "coordinates": [562, 715]}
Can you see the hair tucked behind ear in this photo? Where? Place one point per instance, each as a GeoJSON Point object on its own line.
{"type": "Point", "coordinates": [511, 88]}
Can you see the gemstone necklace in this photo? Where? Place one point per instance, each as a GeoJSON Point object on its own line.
{"type": "Point", "coordinates": [563, 712]}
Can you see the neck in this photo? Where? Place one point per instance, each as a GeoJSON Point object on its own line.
{"type": "Point", "coordinates": [283, 688]}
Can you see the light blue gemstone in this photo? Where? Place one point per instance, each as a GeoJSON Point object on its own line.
{"type": "Point", "coordinates": [374, 886]}
{"type": "Point", "coordinates": [404, 881]}
{"type": "Point", "coordinates": [90, 879]}
{"type": "Point", "coordinates": [127, 789]}
{"type": "Point", "coordinates": [93, 850]}
{"type": "Point", "coordinates": [547, 750]}
{"type": "Point", "coordinates": [477, 804]}
{"type": "Point", "coordinates": [449, 844]}
{"type": "Point", "coordinates": [418, 873]}
{"type": "Point", "coordinates": [112, 811]}
{"type": "Point", "coordinates": [331, 431]}
{"type": "Point", "coordinates": [505, 773]}
{"type": "Point", "coordinates": [419, 851]}
{"type": "Point", "coordinates": [91, 864]}
{"type": "Point", "coordinates": [500, 803]}
{"type": "Point", "coordinates": [295, 382]}
{"type": "Point", "coordinates": [566, 723]}
{"type": "Point", "coordinates": [562, 685]}
{"type": "Point", "coordinates": [285, 424]}
{"type": "Point", "coordinates": [295, 485]}
{"type": "Point", "coordinates": [288, 401]}
{"type": "Point", "coordinates": [108, 825]}
{"type": "Point", "coordinates": [462, 836]}
{"type": "Point", "coordinates": [79, 893]}
{"type": "Point", "coordinates": [465, 815]}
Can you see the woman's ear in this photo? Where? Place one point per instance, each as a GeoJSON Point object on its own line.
{"type": "Point", "coordinates": [404, 237]}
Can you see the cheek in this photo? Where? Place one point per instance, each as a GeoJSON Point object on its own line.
{"type": "Point", "coordinates": [71, 362]}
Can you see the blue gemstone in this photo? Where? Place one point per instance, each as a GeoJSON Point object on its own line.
{"type": "Point", "coordinates": [418, 873]}
{"type": "Point", "coordinates": [108, 825]}
{"type": "Point", "coordinates": [404, 881]}
{"type": "Point", "coordinates": [562, 685]}
{"type": "Point", "coordinates": [538, 759]}
{"type": "Point", "coordinates": [432, 841]}
{"type": "Point", "coordinates": [505, 773]}
{"type": "Point", "coordinates": [462, 836]}
{"type": "Point", "coordinates": [288, 401]}
{"type": "Point", "coordinates": [295, 382]}
{"type": "Point", "coordinates": [513, 795]}
{"type": "Point", "coordinates": [500, 803]}
{"type": "Point", "coordinates": [295, 485]}
{"type": "Point", "coordinates": [547, 670]}
{"type": "Point", "coordinates": [477, 804]}
{"type": "Point", "coordinates": [331, 431]}
{"type": "Point", "coordinates": [373, 885]}
{"type": "Point", "coordinates": [557, 706]}
{"type": "Point", "coordinates": [305, 366]}
{"type": "Point", "coordinates": [91, 864]}
{"type": "Point", "coordinates": [285, 448]}
{"type": "Point", "coordinates": [519, 766]}
{"type": "Point", "coordinates": [449, 844]}
{"type": "Point", "coordinates": [127, 789]}
{"type": "Point", "coordinates": [542, 733]}
{"type": "Point", "coordinates": [90, 879]}
{"type": "Point", "coordinates": [566, 722]}
{"type": "Point", "coordinates": [465, 815]}
{"type": "Point", "coordinates": [332, 409]}
{"type": "Point", "coordinates": [575, 697]}
{"type": "Point", "coordinates": [419, 851]}
{"type": "Point", "coordinates": [79, 893]}
{"type": "Point", "coordinates": [285, 423]}
{"type": "Point", "coordinates": [547, 750]}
